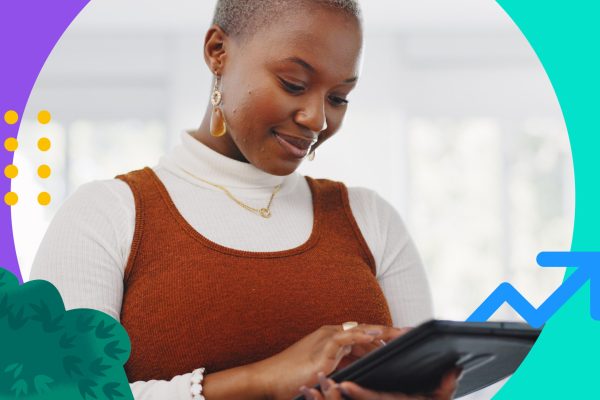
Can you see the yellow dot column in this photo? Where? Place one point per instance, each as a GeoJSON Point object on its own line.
{"type": "Point", "coordinates": [44, 170]}
{"type": "Point", "coordinates": [11, 117]}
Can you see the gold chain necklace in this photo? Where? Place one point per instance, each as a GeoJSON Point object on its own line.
{"type": "Point", "coordinates": [263, 212]}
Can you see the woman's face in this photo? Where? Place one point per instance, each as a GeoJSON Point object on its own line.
{"type": "Point", "coordinates": [287, 87]}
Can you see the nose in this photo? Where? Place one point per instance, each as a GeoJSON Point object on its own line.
{"type": "Point", "coordinates": [312, 115]}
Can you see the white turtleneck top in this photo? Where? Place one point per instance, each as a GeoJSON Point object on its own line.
{"type": "Point", "coordinates": [85, 250]}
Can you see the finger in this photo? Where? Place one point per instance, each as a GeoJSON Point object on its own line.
{"type": "Point", "coordinates": [342, 352]}
{"type": "Point", "coordinates": [393, 333]}
{"type": "Point", "coordinates": [329, 388]}
{"type": "Point", "coordinates": [341, 339]}
{"type": "Point", "coordinates": [387, 333]}
{"type": "Point", "coordinates": [360, 350]}
{"type": "Point", "coordinates": [311, 394]}
{"type": "Point", "coordinates": [448, 385]}
{"type": "Point", "coordinates": [356, 392]}
{"type": "Point", "coordinates": [374, 329]}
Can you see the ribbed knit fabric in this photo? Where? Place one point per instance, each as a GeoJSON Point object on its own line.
{"type": "Point", "coordinates": [188, 301]}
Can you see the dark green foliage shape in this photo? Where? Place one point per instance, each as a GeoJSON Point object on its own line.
{"type": "Point", "coordinates": [49, 353]}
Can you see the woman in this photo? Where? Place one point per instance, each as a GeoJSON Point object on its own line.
{"type": "Point", "coordinates": [222, 259]}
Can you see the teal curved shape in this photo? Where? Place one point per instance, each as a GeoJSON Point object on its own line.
{"type": "Point", "coordinates": [565, 37]}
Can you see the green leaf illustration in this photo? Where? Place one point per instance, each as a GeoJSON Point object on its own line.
{"type": "Point", "coordinates": [17, 320]}
{"type": "Point", "coordinates": [98, 368]}
{"type": "Point", "coordinates": [16, 367]}
{"type": "Point", "coordinates": [110, 390]}
{"type": "Point", "coordinates": [54, 325]}
{"type": "Point", "coordinates": [104, 332]}
{"type": "Point", "coordinates": [41, 383]}
{"type": "Point", "coordinates": [49, 353]}
{"type": "Point", "coordinates": [84, 323]}
{"type": "Point", "coordinates": [11, 367]}
{"type": "Point", "coordinates": [70, 365]}
{"type": "Point", "coordinates": [5, 308]}
{"type": "Point", "coordinates": [66, 341]}
{"type": "Point", "coordinates": [42, 313]}
{"type": "Point", "coordinates": [112, 350]}
{"type": "Point", "coordinates": [3, 277]}
{"type": "Point", "coordinates": [18, 371]}
{"type": "Point", "coordinates": [85, 388]}
{"type": "Point", "coordinates": [20, 387]}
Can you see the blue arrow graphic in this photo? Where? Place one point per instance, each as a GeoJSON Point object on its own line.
{"type": "Point", "coordinates": [588, 268]}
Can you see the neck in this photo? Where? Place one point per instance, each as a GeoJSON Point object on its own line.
{"type": "Point", "coordinates": [192, 158]}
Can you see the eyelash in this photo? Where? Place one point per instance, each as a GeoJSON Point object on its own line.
{"type": "Point", "coordinates": [296, 89]}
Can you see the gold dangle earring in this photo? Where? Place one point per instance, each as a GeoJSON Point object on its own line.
{"type": "Point", "coordinates": [218, 127]}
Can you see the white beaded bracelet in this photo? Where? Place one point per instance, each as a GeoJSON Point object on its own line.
{"type": "Point", "coordinates": [196, 384]}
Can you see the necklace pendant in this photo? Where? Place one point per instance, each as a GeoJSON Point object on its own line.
{"type": "Point", "coordinates": [265, 213]}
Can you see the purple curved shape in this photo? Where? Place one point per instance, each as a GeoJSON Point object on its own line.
{"type": "Point", "coordinates": [29, 30]}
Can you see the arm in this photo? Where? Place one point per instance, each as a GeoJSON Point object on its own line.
{"type": "Point", "coordinates": [84, 253]}
{"type": "Point", "coordinates": [400, 271]}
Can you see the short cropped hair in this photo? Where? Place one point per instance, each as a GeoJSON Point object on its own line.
{"type": "Point", "coordinates": [243, 18]}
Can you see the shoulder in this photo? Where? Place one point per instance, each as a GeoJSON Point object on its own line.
{"type": "Point", "coordinates": [99, 216]}
{"type": "Point", "coordinates": [102, 210]}
{"type": "Point", "coordinates": [369, 203]}
{"type": "Point", "coordinates": [85, 248]}
{"type": "Point", "coordinates": [110, 194]}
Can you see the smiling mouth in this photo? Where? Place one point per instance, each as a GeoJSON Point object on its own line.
{"type": "Point", "coordinates": [296, 146]}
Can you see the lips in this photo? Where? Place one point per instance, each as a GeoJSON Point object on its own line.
{"type": "Point", "coordinates": [302, 144]}
{"type": "Point", "coordinates": [295, 146]}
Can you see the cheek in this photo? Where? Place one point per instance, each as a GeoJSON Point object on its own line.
{"type": "Point", "coordinates": [257, 109]}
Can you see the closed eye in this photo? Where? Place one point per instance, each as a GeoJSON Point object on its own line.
{"type": "Point", "coordinates": [338, 101]}
{"type": "Point", "coordinates": [290, 87]}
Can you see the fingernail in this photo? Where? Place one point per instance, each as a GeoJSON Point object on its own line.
{"type": "Point", "coordinates": [323, 382]}
{"type": "Point", "coordinates": [374, 332]}
{"type": "Point", "coordinates": [307, 394]}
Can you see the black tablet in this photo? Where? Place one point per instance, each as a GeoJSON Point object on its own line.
{"type": "Point", "coordinates": [415, 362]}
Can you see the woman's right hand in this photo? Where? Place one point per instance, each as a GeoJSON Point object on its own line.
{"type": "Point", "coordinates": [321, 351]}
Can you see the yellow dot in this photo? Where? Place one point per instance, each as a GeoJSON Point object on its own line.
{"type": "Point", "coordinates": [11, 144]}
{"type": "Point", "coordinates": [44, 171]}
{"type": "Point", "coordinates": [11, 171]}
{"type": "Point", "coordinates": [11, 117]}
{"type": "Point", "coordinates": [11, 198]}
{"type": "Point", "coordinates": [44, 117]}
{"type": "Point", "coordinates": [44, 198]}
{"type": "Point", "coordinates": [44, 144]}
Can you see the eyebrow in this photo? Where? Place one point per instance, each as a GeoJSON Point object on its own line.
{"type": "Point", "coordinates": [312, 69]}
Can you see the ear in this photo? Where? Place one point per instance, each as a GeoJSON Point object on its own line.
{"type": "Point", "coordinates": [215, 49]}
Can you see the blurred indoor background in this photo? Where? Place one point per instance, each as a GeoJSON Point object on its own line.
{"type": "Point", "coordinates": [454, 122]}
